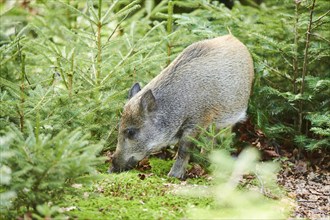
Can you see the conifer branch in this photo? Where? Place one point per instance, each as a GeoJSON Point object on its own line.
{"type": "Point", "coordinates": [319, 36]}
{"type": "Point", "coordinates": [114, 30]}
{"type": "Point", "coordinates": [321, 17]}
{"type": "Point", "coordinates": [319, 24]}
{"type": "Point", "coordinates": [308, 35]}
{"type": "Point", "coordinates": [59, 67]}
{"type": "Point", "coordinates": [295, 56]}
{"type": "Point", "coordinates": [169, 29]}
{"type": "Point", "coordinates": [99, 49]}
{"type": "Point", "coordinates": [70, 75]}
{"type": "Point", "coordinates": [22, 86]}
{"type": "Point", "coordinates": [305, 63]}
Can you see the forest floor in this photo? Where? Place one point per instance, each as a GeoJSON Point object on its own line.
{"type": "Point", "coordinates": [309, 186]}
{"type": "Point", "coordinates": [143, 193]}
{"type": "Point", "coordinates": [147, 192]}
{"type": "Point", "coordinates": [305, 179]}
{"type": "Point", "coordinates": [304, 175]}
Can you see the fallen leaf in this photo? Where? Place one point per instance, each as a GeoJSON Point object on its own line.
{"type": "Point", "coordinates": [76, 185]}
{"type": "Point", "coordinates": [301, 167]}
{"type": "Point", "coordinates": [142, 176]}
{"type": "Point", "coordinates": [86, 195]}
{"type": "Point", "coordinates": [271, 153]}
{"type": "Point", "coordinates": [144, 165]}
{"type": "Point", "coordinates": [196, 171]}
{"type": "Point", "coordinates": [67, 209]}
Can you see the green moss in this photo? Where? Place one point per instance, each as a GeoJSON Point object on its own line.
{"type": "Point", "coordinates": [137, 195]}
{"type": "Point", "coordinates": [160, 167]}
{"type": "Point", "coordinates": [130, 196]}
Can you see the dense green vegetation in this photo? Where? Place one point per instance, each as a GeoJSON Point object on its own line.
{"type": "Point", "coordinates": [66, 67]}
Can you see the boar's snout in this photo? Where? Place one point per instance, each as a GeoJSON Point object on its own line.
{"type": "Point", "coordinates": [120, 165]}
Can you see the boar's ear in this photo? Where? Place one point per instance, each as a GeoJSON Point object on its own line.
{"type": "Point", "coordinates": [148, 101]}
{"type": "Point", "coordinates": [135, 89]}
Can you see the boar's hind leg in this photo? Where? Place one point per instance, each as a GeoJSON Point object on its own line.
{"type": "Point", "coordinates": [178, 169]}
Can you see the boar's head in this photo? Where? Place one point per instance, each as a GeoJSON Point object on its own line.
{"type": "Point", "coordinates": [140, 130]}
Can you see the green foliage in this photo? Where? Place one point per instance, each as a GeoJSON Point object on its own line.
{"type": "Point", "coordinates": [72, 65]}
{"type": "Point", "coordinates": [45, 166]}
{"type": "Point", "coordinates": [5, 180]}
{"type": "Point", "coordinates": [46, 212]}
{"type": "Point", "coordinates": [209, 140]}
{"type": "Point", "coordinates": [232, 203]}
{"type": "Point", "coordinates": [292, 88]}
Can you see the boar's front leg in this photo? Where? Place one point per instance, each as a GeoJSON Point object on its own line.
{"type": "Point", "coordinates": [178, 169]}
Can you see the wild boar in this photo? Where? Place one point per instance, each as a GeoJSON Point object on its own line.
{"type": "Point", "coordinates": [210, 81]}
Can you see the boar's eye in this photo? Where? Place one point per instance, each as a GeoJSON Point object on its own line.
{"type": "Point", "coordinates": [130, 133]}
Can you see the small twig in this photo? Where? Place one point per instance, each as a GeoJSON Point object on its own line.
{"type": "Point", "coordinates": [279, 73]}
{"type": "Point", "coordinates": [118, 64]}
{"type": "Point", "coordinates": [322, 16]}
{"type": "Point", "coordinates": [306, 200]}
{"type": "Point", "coordinates": [319, 24]}
{"type": "Point", "coordinates": [285, 59]}
{"type": "Point", "coordinates": [322, 38]}
{"type": "Point", "coordinates": [114, 30]}
{"type": "Point", "coordinates": [61, 72]}
{"type": "Point", "coordinates": [70, 76]}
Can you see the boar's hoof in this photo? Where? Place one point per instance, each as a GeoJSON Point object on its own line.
{"type": "Point", "coordinates": [180, 174]}
{"type": "Point", "coordinates": [111, 170]}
